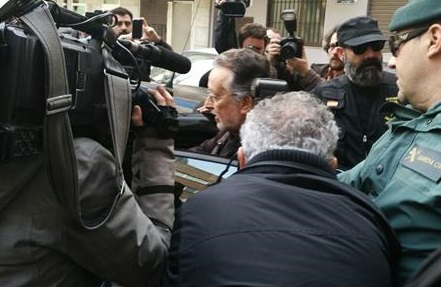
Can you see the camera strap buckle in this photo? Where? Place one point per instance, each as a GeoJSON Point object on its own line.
{"type": "Point", "coordinates": [58, 104]}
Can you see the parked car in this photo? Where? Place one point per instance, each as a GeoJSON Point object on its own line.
{"type": "Point", "coordinates": [201, 62]}
{"type": "Point", "coordinates": [195, 172]}
{"type": "Point", "coordinates": [185, 87]}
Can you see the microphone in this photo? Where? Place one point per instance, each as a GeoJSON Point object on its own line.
{"type": "Point", "coordinates": [159, 56]}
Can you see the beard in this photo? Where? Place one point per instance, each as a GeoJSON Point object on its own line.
{"type": "Point", "coordinates": [336, 64]}
{"type": "Point", "coordinates": [366, 74]}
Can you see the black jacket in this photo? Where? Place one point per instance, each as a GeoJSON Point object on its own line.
{"type": "Point", "coordinates": [284, 220]}
{"type": "Point", "coordinates": [357, 112]}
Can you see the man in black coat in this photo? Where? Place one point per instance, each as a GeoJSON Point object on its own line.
{"type": "Point", "coordinates": [283, 219]}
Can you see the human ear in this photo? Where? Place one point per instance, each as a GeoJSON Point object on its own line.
{"type": "Point", "coordinates": [434, 33]}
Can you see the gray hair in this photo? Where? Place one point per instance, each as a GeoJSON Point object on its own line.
{"type": "Point", "coordinates": [246, 65]}
{"type": "Point", "coordinates": [294, 121]}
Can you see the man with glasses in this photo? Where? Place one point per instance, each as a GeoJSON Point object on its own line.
{"type": "Point", "coordinates": [356, 97]}
{"type": "Point", "coordinates": [230, 97]}
{"type": "Point", "coordinates": [402, 172]}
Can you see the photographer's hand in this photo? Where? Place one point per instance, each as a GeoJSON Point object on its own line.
{"type": "Point", "coordinates": [217, 3]}
{"type": "Point", "coordinates": [273, 51]}
{"type": "Point", "coordinates": [149, 33]}
{"type": "Point", "coordinates": [299, 65]}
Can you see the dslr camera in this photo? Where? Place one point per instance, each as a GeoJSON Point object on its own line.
{"type": "Point", "coordinates": [291, 45]}
{"type": "Point", "coordinates": [234, 8]}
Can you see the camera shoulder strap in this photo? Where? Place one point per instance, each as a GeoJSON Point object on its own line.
{"type": "Point", "coordinates": [57, 135]}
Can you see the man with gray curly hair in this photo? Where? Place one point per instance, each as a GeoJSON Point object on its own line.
{"type": "Point", "coordinates": [284, 219]}
{"type": "Point", "coordinates": [311, 130]}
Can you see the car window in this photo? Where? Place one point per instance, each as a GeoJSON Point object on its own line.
{"type": "Point", "coordinates": [201, 62]}
{"type": "Point", "coordinates": [195, 172]}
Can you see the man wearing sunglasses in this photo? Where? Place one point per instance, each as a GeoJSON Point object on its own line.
{"type": "Point", "coordinates": [402, 172]}
{"type": "Point", "coordinates": [356, 97]}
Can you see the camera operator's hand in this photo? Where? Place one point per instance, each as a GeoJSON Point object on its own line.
{"type": "Point", "coordinates": [162, 114]}
{"type": "Point", "coordinates": [298, 65]}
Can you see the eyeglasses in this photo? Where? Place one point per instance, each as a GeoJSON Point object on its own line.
{"type": "Point", "coordinates": [360, 49]}
{"type": "Point", "coordinates": [213, 98]}
{"type": "Point", "coordinates": [395, 41]}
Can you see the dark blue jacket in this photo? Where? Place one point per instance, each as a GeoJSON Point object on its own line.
{"type": "Point", "coordinates": [357, 112]}
{"type": "Point", "coordinates": [284, 220]}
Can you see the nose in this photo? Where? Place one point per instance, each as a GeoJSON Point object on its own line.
{"type": "Point", "coordinates": [391, 63]}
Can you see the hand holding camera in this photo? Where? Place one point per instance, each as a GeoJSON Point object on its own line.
{"type": "Point", "coordinates": [232, 8]}
{"type": "Point", "coordinates": [156, 108]}
{"type": "Point", "coordinates": [142, 31]}
{"type": "Point", "coordinates": [298, 65]}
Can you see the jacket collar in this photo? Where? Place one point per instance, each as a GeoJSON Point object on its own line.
{"type": "Point", "coordinates": [291, 161]}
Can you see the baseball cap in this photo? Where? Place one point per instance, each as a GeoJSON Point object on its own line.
{"type": "Point", "coordinates": [359, 30]}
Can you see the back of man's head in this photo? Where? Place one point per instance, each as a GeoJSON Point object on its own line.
{"type": "Point", "coordinates": [246, 65]}
{"type": "Point", "coordinates": [253, 30]}
{"type": "Point", "coordinates": [290, 121]}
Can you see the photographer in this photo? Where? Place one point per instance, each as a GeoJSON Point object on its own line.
{"type": "Point", "coordinates": [112, 234]}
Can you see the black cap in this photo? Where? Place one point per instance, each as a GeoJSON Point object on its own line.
{"type": "Point", "coordinates": [359, 30]}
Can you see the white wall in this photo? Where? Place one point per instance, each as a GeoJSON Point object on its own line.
{"type": "Point", "coordinates": [258, 10]}
{"type": "Point", "coordinates": [188, 24]}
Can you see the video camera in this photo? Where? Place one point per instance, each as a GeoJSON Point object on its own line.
{"type": "Point", "coordinates": [22, 70]}
{"type": "Point", "coordinates": [234, 8]}
{"type": "Point", "coordinates": [262, 88]}
{"type": "Point", "coordinates": [291, 45]}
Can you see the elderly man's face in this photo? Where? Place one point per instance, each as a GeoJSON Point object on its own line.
{"type": "Point", "coordinates": [229, 110]}
{"type": "Point", "coordinates": [363, 64]}
{"type": "Point", "coordinates": [123, 25]}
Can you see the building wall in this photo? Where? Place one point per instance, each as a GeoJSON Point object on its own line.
{"type": "Point", "coordinates": [189, 24]}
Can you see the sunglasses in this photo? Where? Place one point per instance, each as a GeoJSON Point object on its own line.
{"type": "Point", "coordinates": [360, 49]}
{"type": "Point", "coordinates": [395, 41]}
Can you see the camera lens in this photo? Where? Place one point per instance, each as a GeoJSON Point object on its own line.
{"type": "Point", "coordinates": [289, 50]}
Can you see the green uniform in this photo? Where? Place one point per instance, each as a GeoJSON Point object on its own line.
{"type": "Point", "coordinates": [402, 174]}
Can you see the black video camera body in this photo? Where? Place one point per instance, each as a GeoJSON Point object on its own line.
{"type": "Point", "coordinates": [23, 74]}
{"type": "Point", "coordinates": [291, 46]}
{"type": "Point", "coordinates": [262, 88]}
{"type": "Point", "coordinates": [163, 118]}
{"type": "Point", "coordinates": [234, 8]}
